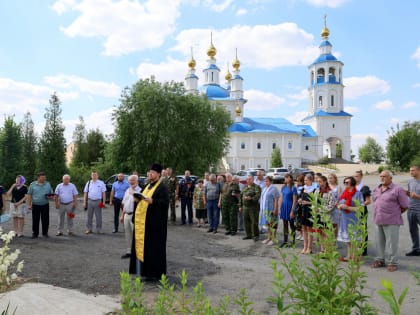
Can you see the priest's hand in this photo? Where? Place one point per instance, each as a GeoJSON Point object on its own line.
{"type": "Point", "coordinates": [148, 200]}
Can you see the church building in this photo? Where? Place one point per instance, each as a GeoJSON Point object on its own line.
{"type": "Point", "coordinates": [252, 140]}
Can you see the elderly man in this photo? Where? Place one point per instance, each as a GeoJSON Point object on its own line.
{"type": "Point", "coordinates": [38, 196]}
{"type": "Point", "coordinates": [115, 198]}
{"type": "Point", "coordinates": [260, 179]}
{"type": "Point", "coordinates": [94, 198]}
{"type": "Point", "coordinates": [128, 206]}
{"type": "Point", "coordinates": [66, 203]}
{"type": "Point", "coordinates": [250, 207]}
{"type": "Point", "coordinates": [389, 202]}
{"type": "Point", "coordinates": [413, 213]}
{"type": "Point", "coordinates": [212, 192]}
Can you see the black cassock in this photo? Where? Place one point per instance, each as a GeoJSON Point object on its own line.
{"type": "Point", "coordinates": [154, 265]}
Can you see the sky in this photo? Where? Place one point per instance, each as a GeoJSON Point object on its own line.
{"type": "Point", "coordinates": [88, 51]}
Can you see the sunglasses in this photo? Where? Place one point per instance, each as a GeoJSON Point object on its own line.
{"type": "Point", "coordinates": [347, 183]}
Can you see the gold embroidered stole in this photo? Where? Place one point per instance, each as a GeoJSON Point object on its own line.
{"type": "Point", "coordinates": [140, 221]}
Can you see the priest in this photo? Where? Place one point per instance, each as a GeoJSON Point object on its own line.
{"type": "Point", "coordinates": [148, 251]}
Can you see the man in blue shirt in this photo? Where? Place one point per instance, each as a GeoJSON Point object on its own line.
{"type": "Point", "coordinates": [93, 201]}
{"type": "Point", "coordinates": [38, 196]}
{"type": "Point", "coordinates": [117, 194]}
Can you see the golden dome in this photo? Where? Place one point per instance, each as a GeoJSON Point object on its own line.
{"type": "Point", "coordinates": [228, 76]}
{"type": "Point", "coordinates": [238, 111]}
{"type": "Point", "coordinates": [211, 51]}
{"type": "Point", "coordinates": [191, 64]}
{"type": "Point", "coordinates": [325, 31]}
{"type": "Point", "coordinates": [236, 63]}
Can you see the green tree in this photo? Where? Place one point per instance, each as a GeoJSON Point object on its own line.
{"type": "Point", "coordinates": [30, 144]}
{"type": "Point", "coordinates": [371, 151]}
{"type": "Point", "coordinates": [403, 145]}
{"type": "Point", "coordinates": [52, 143]}
{"type": "Point", "coordinates": [158, 122]}
{"type": "Point", "coordinates": [10, 151]}
{"type": "Point", "coordinates": [276, 158]}
{"type": "Point", "coordinates": [339, 150]}
{"type": "Point", "coordinates": [95, 143]}
{"type": "Point", "coordinates": [80, 144]}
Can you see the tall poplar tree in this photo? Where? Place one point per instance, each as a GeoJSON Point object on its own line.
{"type": "Point", "coordinates": [52, 156]}
{"type": "Point", "coordinates": [10, 152]}
{"type": "Point", "coordinates": [80, 157]}
{"type": "Point", "coordinates": [30, 145]}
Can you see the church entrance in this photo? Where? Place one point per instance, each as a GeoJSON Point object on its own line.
{"type": "Point", "coordinates": [333, 148]}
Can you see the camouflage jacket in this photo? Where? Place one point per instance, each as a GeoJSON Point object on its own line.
{"type": "Point", "coordinates": [253, 191]}
{"type": "Point", "coordinates": [230, 193]}
{"type": "Point", "coordinates": [172, 183]}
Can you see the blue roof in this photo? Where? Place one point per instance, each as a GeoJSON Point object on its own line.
{"type": "Point", "coordinates": [192, 75]}
{"type": "Point", "coordinates": [307, 130]}
{"type": "Point", "coordinates": [325, 57]}
{"type": "Point", "coordinates": [322, 113]}
{"type": "Point", "coordinates": [265, 125]}
{"type": "Point", "coordinates": [212, 66]}
{"type": "Point", "coordinates": [215, 91]}
{"type": "Point", "coordinates": [325, 43]}
{"type": "Point", "coordinates": [237, 76]}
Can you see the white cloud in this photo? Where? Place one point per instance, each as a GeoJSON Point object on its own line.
{"type": "Point", "coordinates": [19, 97]}
{"type": "Point", "coordinates": [351, 109]}
{"type": "Point", "coordinates": [384, 105]}
{"type": "Point", "coordinates": [266, 46]}
{"type": "Point", "coordinates": [62, 6]}
{"type": "Point", "coordinates": [127, 26]}
{"type": "Point", "coordinates": [416, 56]}
{"type": "Point", "coordinates": [302, 95]}
{"type": "Point", "coordinates": [218, 6]}
{"type": "Point", "coordinates": [361, 86]}
{"type": "Point", "coordinates": [395, 121]}
{"type": "Point", "coordinates": [100, 119]}
{"type": "Point", "coordinates": [416, 85]}
{"type": "Point", "coordinates": [260, 101]}
{"type": "Point", "coordinates": [327, 3]}
{"type": "Point", "coordinates": [241, 12]}
{"type": "Point", "coordinates": [165, 71]}
{"type": "Point", "coordinates": [297, 117]}
{"type": "Point", "coordinates": [409, 105]}
{"type": "Point", "coordinates": [100, 88]}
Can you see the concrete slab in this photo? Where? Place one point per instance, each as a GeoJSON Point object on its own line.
{"type": "Point", "coordinates": [43, 299]}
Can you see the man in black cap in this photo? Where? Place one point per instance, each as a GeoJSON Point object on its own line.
{"type": "Point", "coordinates": [148, 252]}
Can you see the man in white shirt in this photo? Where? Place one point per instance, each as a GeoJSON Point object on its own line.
{"type": "Point", "coordinates": [65, 202]}
{"type": "Point", "coordinates": [94, 201]}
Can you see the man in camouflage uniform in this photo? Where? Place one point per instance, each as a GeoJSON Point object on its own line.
{"type": "Point", "coordinates": [229, 203]}
{"type": "Point", "coordinates": [250, 207]}
{"type": "Point", "coordinates": [171, 182]}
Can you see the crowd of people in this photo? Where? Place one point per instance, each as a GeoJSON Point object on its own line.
{"type": "Point", "coordinates": [255, 207]}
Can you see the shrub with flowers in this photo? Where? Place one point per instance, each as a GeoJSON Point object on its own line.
{"type": "Point", "coordinates": [8, 266]}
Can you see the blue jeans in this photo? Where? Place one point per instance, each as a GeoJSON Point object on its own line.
{"type": "Point", "coordinates": [213, 213]}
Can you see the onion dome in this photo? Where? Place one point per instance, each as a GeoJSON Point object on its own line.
{"type": "Point", "coordinates": [211, 51]}
{"type": "Point", "coordinates": [325, 31]}
{"type": "Point", "coordinates": [192, 63]}
{"type": "Point", "coordinates": [238, 111]}
{"type": "Point", "coordinates": [236, 63]}
{"type": "Point", "coordinates": [228, 75]}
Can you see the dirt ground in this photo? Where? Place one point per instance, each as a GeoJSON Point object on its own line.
{"type": "Point", "coordinates": [92, 263]}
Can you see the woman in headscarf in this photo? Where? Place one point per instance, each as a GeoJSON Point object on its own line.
{"type": "Point", "coordinates": [18, 192]}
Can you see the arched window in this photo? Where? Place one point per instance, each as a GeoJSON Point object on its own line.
{"type": "Point", "coordinates": [333, 125]}
{"type": "Point", "coordinates": [306, 147]}
{"type": "Point", "coordinates": [320, 75]}
{"type": "Point", "coordinates": [320, 101]}
{"type": "Point", "coordinates": [212, 77]}
{"type": "Point", "coordinates": [289, 145]}
{"type": "Point", "coordinates": [274, 145]}
{"type": "Point", "coordinates": [259, 145]}
{"type": "Point", "coordinates": [332, 100]}
{"type": "Point", "coordinates": [242, 145]}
